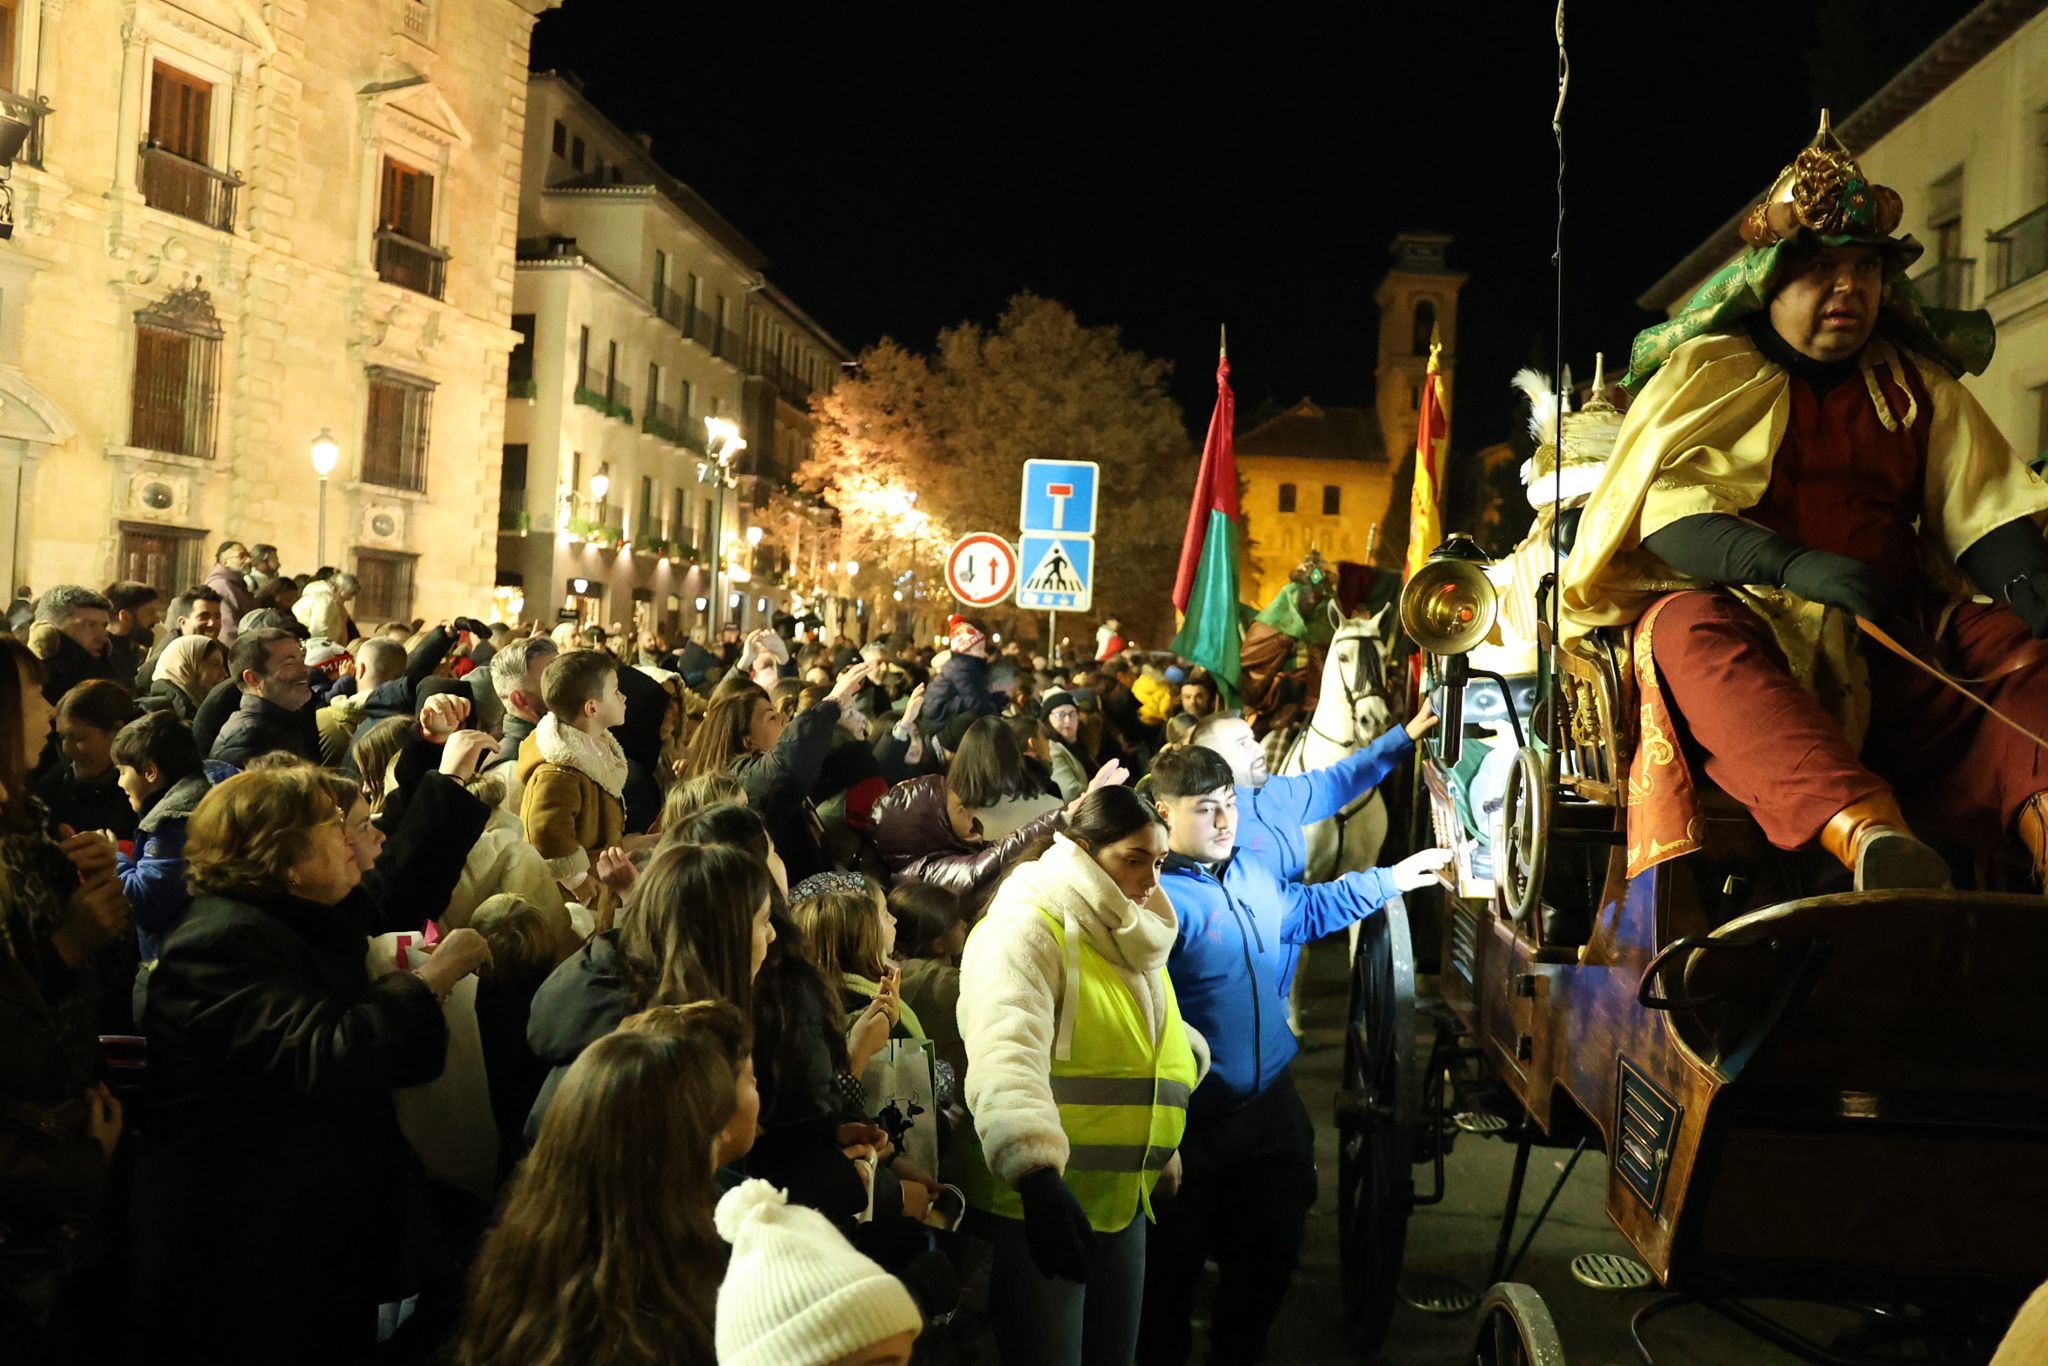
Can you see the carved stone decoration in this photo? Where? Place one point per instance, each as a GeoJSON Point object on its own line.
{"type": "Point", "coordinates": [383, 524]}
{"type": "Point", "coordinates": [158, 494]}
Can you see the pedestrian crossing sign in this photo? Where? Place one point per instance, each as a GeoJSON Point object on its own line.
{"type": "Point", "coordinates": [1059, 573]}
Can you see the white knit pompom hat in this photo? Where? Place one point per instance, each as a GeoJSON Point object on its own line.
{"type": "Point", "coordinates": [796, 1293]}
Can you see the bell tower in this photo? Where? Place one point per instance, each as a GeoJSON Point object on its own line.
{"type": "Point", "coordinates": [1418, 294]}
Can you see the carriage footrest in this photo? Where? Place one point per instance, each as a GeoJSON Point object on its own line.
{"type": "Point", "coordinates": [1434, 1292]}
{"type": "Point", "coordinates": [1481, 1122]}
{"type": "Point", "coordinates": [1609, 1271]}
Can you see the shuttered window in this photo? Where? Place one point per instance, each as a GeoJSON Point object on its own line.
{"type": "Point", "coordinates": [180, 113]}
{"type": "Point", "coordinates": [396, 429]}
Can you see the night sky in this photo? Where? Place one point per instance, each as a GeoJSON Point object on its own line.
{"type": "Point", "coordinates": [905, 171]}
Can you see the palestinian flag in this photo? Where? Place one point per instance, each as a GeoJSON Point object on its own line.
{"type": "Point", "coordinates": [1205, 590]}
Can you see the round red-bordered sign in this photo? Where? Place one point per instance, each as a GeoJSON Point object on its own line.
{"type": "Point", "coordinates": [981, 569]}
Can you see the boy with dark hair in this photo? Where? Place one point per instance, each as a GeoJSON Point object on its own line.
{"type": "Point", "coordinates": [1248, 1157]}
{"type": "Point", "coordinates": [573, 770]}
{"type": "Point", "coordinates": [160, 770]}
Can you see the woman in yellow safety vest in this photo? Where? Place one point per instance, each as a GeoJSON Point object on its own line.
{"type": "Point", "coordinates": [1078, 1073]}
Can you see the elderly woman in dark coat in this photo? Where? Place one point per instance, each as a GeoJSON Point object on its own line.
{"type": "Point", "coordinates": [270, 1196]}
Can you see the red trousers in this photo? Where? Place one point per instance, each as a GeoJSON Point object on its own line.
{"type": "Point", "coordinates": [1959, 773]}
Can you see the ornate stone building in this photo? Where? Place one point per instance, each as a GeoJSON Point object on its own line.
{"type": "Point", "coordinates": [239, 224]}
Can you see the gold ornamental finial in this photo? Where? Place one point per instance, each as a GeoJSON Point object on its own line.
{"type": "Point", "coordinates": [1826, 192]}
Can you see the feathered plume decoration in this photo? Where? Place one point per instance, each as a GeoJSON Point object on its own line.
{"type": "Point", "coordinates": [1542, 396]}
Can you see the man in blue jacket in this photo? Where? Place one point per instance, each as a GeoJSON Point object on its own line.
{"type": "Point", "coordinates": [1248, 1158]}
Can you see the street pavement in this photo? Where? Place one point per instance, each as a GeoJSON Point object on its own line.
{"type": "Point", "coordinates": [1457, 1238]}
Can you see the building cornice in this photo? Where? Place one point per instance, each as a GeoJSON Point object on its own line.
{"type": "Point", "coordinates": [1973, 37]}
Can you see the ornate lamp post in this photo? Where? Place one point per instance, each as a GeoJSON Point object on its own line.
{"type": "Point", "coordinates": [326, 454]}
{"type": "Point", "coordinates": [725, 442]}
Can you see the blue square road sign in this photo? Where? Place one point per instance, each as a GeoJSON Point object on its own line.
{"type": "Point", "coordinates": [1056, 573]}
{"type": "Point", "coordinates": [1059, 496]}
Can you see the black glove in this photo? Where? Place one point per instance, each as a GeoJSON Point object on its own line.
{"type": "Point", "coordinates": [1055, 1228]}
{"type": "Point", "coordinates": [1838, 581]}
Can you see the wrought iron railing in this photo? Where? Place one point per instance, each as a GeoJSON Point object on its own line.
{"type": "Point", "coordinates": [409, 264]}
{"type": "Point", "coordinates": [592, 520]}
{"type": "Point", "coordinates": [177, 374]}
{"type": "Point", "coordinates": [31, 110]}
{"type": "Point", "coordinates": [609, 395]}
{"type": "Point", "coordinates": [1947, 284]}
{"type": "Point", "coordinates": [2019, 250]}
{"type": "Point", "coordinates": [660, 419]}
{"type": "Point", "coordinates": [669, 307]}
{"type": "Point", "coordinates": [188, 189]}
{"type": "Point", "coordinates": [701, 328]}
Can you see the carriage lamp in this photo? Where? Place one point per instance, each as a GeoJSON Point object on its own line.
{"type": "Point", "coordinates": [1448, 608]}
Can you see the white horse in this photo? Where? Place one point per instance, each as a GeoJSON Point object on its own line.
{"type": "Point", "coordinates": [1351, 712]}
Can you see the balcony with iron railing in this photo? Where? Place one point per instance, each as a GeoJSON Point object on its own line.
{"type": "Point", "coordinates": [410, 265]}
{"type": "Point", "coordinates": [1947, 284]}
{"type": "Point", "coordinates": [31, 110]}
{"type": "Point", "coordinates": [608, 394]}
{"type": "Point", "coordinates": [188, 188]}
{"type": "Point", "coordinates": [700, 327]}
{"type": "Point", "coordinates": [669, 307]}
{"type": "Point", "coordinates": [2019, 250]}
{"type": "Point", "coordinates": [587, 519]}
{"type": "Point", "coordinates": [661, 420]}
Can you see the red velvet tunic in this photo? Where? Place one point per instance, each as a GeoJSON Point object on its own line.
{"type": "Point", "coordinates": [1844, 483]}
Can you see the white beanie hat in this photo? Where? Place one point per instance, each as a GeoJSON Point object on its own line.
{"type": "Point", "coordinates": [796, 1293]}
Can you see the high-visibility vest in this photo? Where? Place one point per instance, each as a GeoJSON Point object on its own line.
{"type": "Point", "coordinates": [1123, 1099]}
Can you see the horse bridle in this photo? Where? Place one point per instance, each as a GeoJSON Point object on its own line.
{"type": "Point", "coordinates": [1356, 689]}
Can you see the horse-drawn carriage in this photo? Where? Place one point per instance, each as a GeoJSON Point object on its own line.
{"type": "Point", "coordinates": [1802, 1091]}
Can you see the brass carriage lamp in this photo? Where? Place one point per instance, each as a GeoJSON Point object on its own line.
{"type": "Point", "coordinates": [1449, 608]}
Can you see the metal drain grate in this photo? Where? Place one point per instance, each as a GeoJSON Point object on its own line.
{"type": "Point", "coordinates": [1606, 1271]}
{"type": "Point", "coordinates": [1479, 1122]}
{"type": "Point", "coordinates": [1435, 1293]}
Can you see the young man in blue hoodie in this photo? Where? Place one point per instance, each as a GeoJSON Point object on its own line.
{"type": "Point", "coordinates": [1248, 1158]}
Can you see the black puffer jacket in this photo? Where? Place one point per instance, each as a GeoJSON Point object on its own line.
{"type": "Point", "coordinates": [781, 783]}
{"type": "Point", "coordinates": [273, 1161]}
{"type": "Point", "coordinates": [917, 842]}
{"type": "Point", "coordinates": [583, 1000]}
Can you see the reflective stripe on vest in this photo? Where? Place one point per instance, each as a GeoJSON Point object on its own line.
{"type": "Point", "coordinates": [1122, 1098]}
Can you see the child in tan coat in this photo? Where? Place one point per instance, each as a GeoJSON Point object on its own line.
{"type": "Point", "coordinates": [573, 772]}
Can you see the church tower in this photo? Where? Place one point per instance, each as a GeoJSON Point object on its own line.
{"type": "Point", "coordinates": [1419, 293]}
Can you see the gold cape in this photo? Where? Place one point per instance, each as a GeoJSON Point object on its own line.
{"type": "Point", "coordinates": [1701, 438]}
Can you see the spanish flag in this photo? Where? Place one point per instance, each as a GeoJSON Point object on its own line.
{"type": "Point", "coordinates": [1205, 589]}
{"type": "Point", "coordinates": [1425, 513]}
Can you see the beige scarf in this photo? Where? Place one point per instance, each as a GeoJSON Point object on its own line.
{"type": "Point", "coordinates": [597, 757]}
{"type": "Point", "coordinates": [1069, 883]}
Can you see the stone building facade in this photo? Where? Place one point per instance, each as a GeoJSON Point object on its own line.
{"type": "Point", "coordinates": [239, 224]}
{"type": "Point", "coordinates": [642, 312]}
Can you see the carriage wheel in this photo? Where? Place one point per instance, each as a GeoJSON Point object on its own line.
{"type": "Point", "coordinates": [1377, 1114]}
{"type": "Point", "coordinates": [1525, 833]}
{"type": "Point", "coordinates": [1515, 1329]}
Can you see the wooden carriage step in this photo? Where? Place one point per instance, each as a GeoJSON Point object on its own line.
{"type": "Point", "coordinates": [1609, 1271]}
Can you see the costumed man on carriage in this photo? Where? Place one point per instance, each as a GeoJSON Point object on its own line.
{"type": "Point", "coordinates": [1801, 482]}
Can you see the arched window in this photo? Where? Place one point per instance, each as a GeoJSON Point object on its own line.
{"type": "Point", "coordinates": [1425, 323]}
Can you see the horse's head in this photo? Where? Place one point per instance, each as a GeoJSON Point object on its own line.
{"type": "Point", "coordinates": [1357, 672]}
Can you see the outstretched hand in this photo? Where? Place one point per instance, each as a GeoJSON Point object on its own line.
{"type": "Point", "coordinates": [1425, 719]}
{"type": "Point", "coordinates": [1419, 870]}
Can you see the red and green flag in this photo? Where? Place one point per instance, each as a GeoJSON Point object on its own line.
{"type": "Point", "coordinates": [1205, 590]}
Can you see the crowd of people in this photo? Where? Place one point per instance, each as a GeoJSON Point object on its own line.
{"type": "Point", "coordinates": [447, 991]}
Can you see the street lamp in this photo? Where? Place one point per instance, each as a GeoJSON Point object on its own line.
{"type": "Point", "coordinates": [724, 442]}
{"type": "Point", "coordinates": [326, 454]}
{"type": "Point", "coordinates": [601, 482]}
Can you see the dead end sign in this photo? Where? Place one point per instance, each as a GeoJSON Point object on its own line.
{"type": "Point", "coordinates": [981, 569]}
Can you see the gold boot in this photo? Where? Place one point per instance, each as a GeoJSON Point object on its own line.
{"type": "Point", "coordinates": [1871, 839]}
{"type": "Point", "coordinates": [2033, 826]}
